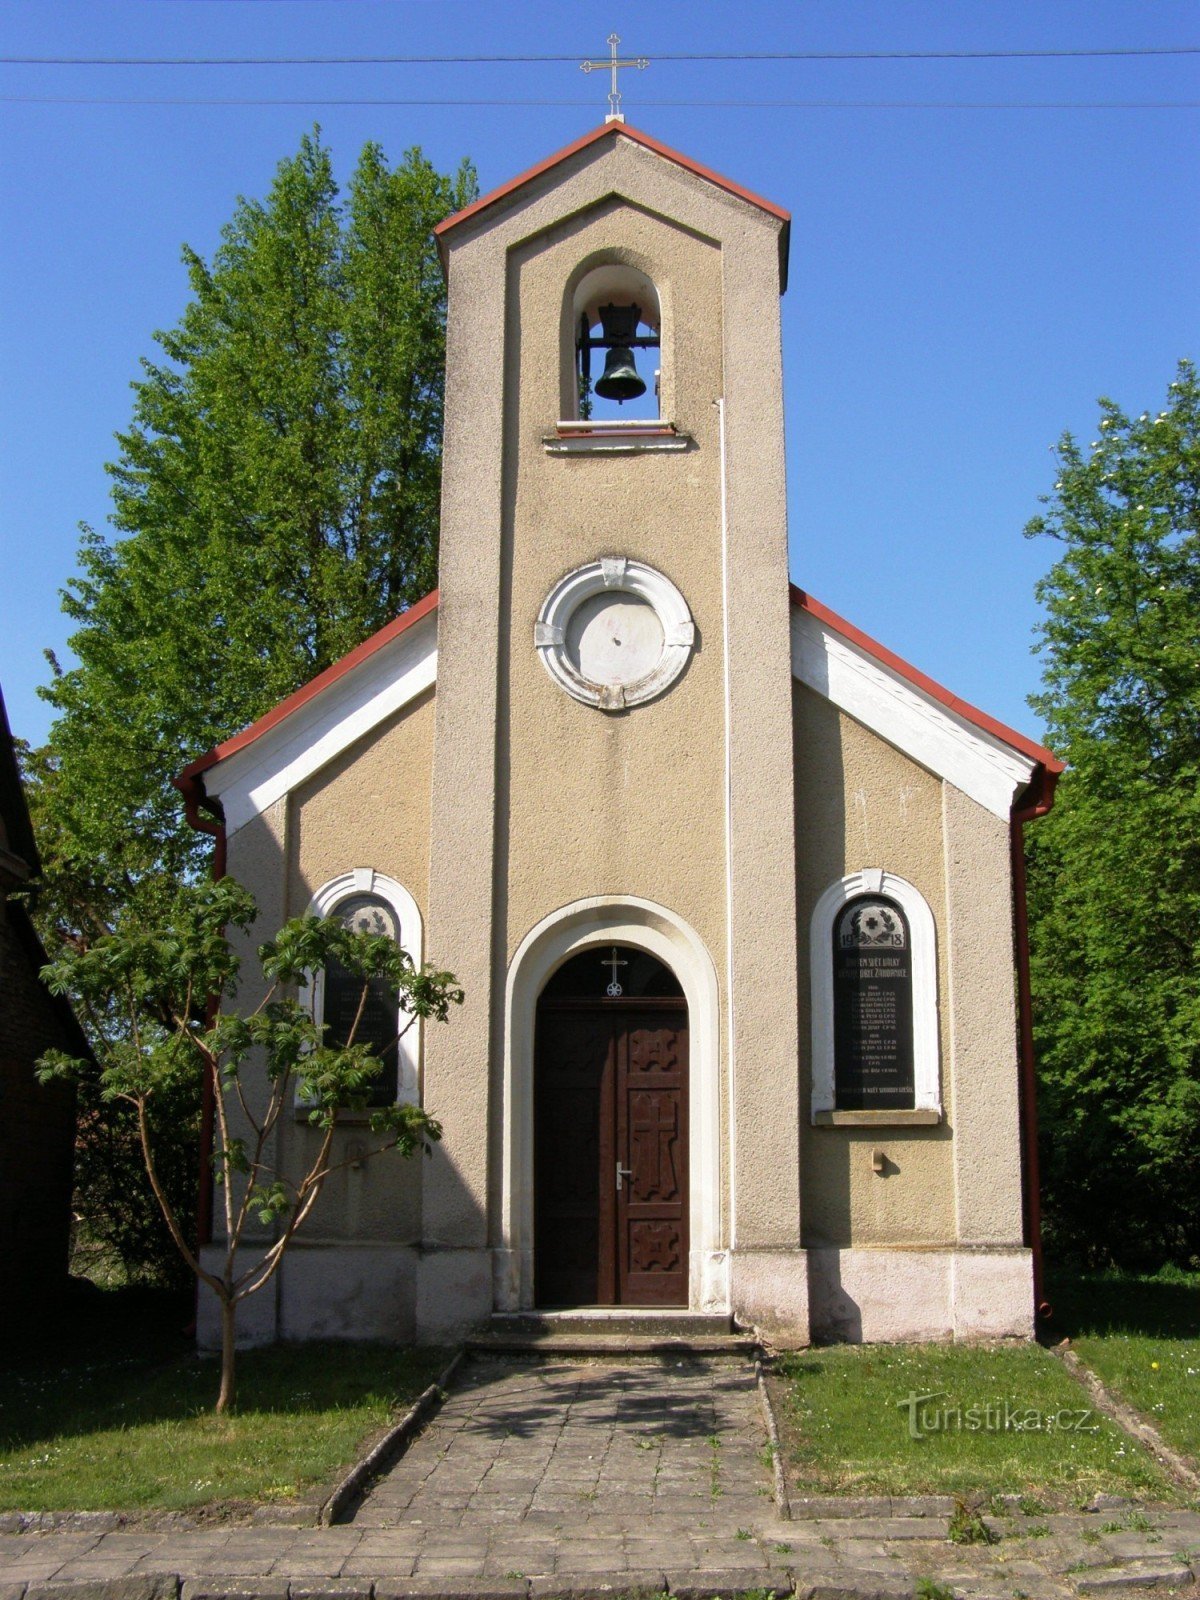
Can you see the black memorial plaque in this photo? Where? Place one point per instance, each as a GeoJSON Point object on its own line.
{"type": "Point", "coordinates": [378, 1021]}
{"type": "Point", "coordinates": [872, 1008]}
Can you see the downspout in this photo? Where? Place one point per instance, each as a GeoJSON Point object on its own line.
{"type": "Point", "coordinates": [195, 801]}
{"type": "Point", "coordinates": [1038, 798]}
{"type": "Point", "coordinates": [730, 1232]}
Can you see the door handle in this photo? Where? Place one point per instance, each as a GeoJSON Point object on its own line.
{"type": "Point", "coordinates": [622, 1172]}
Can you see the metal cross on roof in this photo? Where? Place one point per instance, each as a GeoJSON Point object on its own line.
{"type": "Point", "coordinates": [615, 113]}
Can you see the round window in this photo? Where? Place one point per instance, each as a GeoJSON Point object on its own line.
{"type": "Point", "coordinates": [614, 633]}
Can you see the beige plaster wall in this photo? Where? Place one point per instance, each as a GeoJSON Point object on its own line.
{"type": "Point", "coordinates": [255, 857]}
{"type": "Point", "coordinates": [985, 1060]}
{"type": "Point", "coordinates": [862, 803]}
{"type": "Point", "coordinates": [367, 808]}
{"type": "Point", "coordinates": [630, 803]}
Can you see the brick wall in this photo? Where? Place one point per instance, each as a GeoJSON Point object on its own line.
{"type": "Point", "coordinates": [37, 1123]}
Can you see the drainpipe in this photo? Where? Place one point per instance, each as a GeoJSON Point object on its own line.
{"type": "Point", "coordinates": [1037, 798]}
{"type": "Point", "coordinates": [195, 801]}
{"type": "Point", "coordinates": [730, 1231]}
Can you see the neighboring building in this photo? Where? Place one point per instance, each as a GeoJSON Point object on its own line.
{"type": "Point", "coordinates": [37, 1121]}
{"type": "Point", "coordinates": [730, 888]}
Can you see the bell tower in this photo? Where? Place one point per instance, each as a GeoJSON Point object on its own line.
{"type": "Point", "coordinates": [613, 757]}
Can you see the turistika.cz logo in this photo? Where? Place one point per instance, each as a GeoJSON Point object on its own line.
{"type": "Point", "coordinates": [926, 1416]}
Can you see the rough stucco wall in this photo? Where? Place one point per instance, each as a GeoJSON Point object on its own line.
{"type": "Point", "coordinates": [255, 857]}
{"type": "Point", "coordinates": [861, 803]}
{"type": "Point", "coordinates": [985, 1069]}
{"type": "Point", "coordinates": [645, 814]}
{"type": "Point", "coordinates": [368, 808]}
{"type": "Point", "coordinates": [628, 803]}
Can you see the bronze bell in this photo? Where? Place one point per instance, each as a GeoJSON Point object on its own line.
{"type": "Point", "coordinates": [620, 381]}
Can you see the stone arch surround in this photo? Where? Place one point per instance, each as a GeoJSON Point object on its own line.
{"type": "Point", "coordinates": [583, 925]}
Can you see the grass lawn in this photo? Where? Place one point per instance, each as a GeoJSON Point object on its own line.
{"type": "Point", "coordinates": [1141, 1335]}
{"type": "Point", "coordinates": [115, 1413]}
{"type": "Point", "coordinates": [846, 1426]}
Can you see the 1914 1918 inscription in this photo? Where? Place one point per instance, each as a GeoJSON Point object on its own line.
{"type": "Point", "coordinates": [872, 988]}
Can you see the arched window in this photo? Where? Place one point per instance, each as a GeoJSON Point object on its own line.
{"type": "Point", "coordinates": [616, 331]}
{"type": "Point", "coordinates": [874, 999]}
{"type": "Point", "coordinates": [370, 902]}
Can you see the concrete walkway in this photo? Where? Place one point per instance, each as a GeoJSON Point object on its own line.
{"type": "Point", "coordinates": [580, 1480]}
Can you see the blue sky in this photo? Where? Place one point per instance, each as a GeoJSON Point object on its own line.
{"type": "Point", "coordinates": [964, 282]}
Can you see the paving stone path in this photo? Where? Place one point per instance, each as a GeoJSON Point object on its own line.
{"type": "Point", "coordinates": [589, 1480]}
{"type": "Point", "coordinates": [563, 1447]}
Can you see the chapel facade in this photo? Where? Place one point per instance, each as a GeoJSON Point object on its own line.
{"type": "Point", "coordinates": [735, 895]}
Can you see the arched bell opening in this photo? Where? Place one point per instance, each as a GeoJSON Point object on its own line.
{"type": "Point", "coordinates": [610, 1133]}
{"type": "Point", "coordinates": [616, 321]}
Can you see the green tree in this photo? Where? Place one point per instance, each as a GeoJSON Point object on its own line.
{"type": "Point", "coordinates": [1115, 868]}
{"type": "Point", "coordinates": [275, 500]}
{"type": "Point", "coordinates": [152, 987]}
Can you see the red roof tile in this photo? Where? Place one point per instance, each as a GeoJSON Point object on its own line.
{"type": "Point", "coordinates": [309, 691]}
{"type": "Point", "coordinates": [980, 719]}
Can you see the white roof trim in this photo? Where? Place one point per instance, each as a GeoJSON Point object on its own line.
{"type": "Point", "coordinates": [981, 765]}
{"type": "Point", "coordinates": [251, 779]}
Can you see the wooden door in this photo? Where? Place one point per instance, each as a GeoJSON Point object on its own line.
{"type": "Point", "coordinates": [572, 1146]}
{"type": "Point", "coordinates": [610, 1106]}
{"type": "Point", "coordinates": [651, 1050]}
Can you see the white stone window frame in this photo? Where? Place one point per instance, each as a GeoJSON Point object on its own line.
{"type": "Point", "coordinates": [346, 886]}
{"type": "Point", "coordinates": [927, 1103]}
{"type": "Point", "coordinates": [621, 575]}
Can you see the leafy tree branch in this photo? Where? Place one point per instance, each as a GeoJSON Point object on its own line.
{"type": "Point", "coordinates": [153, 983]}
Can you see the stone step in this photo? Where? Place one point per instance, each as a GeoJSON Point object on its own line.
{"type": "Point", "coordinates": [612, 1344]}
{"type": "Point", "coordinates": [603, 1331]}
{"type": "Point", "coordinates": [662, 1322]}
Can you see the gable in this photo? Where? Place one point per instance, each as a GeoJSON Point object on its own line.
{"type": "Point", "coordinates": [496, 201]}
{"type": "Point", "coordinates": [314, 726]}
{"type": "Point", "coordinates": [988, 762]}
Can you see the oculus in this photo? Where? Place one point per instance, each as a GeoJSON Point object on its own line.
{"type": "Point", "coordinates": [614, 633]}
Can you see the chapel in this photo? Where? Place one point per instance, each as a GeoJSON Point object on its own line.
{"type": "Point", "coordinates": [736, 895]}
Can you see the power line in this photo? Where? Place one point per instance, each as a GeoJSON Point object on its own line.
{"type": "Point", "coordinates": [727, 105]}
{"type": "Point", "coordinates": [541, 60]}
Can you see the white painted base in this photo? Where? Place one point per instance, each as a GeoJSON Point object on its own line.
{"type": "Point", "coordinates": [769, 1290]}
{"type": "Point", "coordinates": [321, 1291]}
{"type": "Point", "coordinates": [454, 1293]}
{"type": "Point", "coordinates": [883, 1296]}
{"type": "Point", "coordinates": [256, 1316]}
{"type": "Point", "coordinates": [709, 1278]}
{"type": "Point", "coordinates": [402, 1293]}
{"type": "Point", "coordinates": [348, 1292]}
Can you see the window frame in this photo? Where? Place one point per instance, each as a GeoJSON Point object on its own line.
{"type": "Point", "coordinates": [927, 1104]}
{"type": "Point", "coordinates": [324, 903]}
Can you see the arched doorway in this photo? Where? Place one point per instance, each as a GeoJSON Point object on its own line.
{"type": "Point", "coordinates": [611, 1133]}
